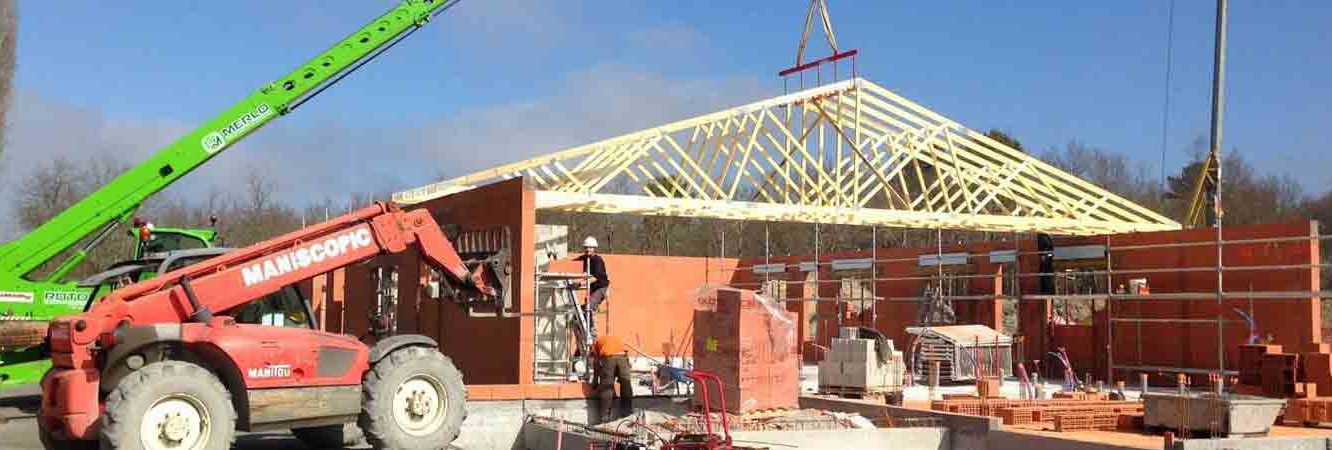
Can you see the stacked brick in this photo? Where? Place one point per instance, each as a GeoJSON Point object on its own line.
{"type": "Point", "coordinates": [1308, 411]}
{"type": "Point", "coordinates": [1268, 371]}
{"type": "Point", "coordinates": [1062, 414]}
{"type": "Point", "coordinates": [751, 347]}
{"type": "Point", "coordinates": [1087, 422]}
{"type": "Point", "coordinates": [1130, 422]}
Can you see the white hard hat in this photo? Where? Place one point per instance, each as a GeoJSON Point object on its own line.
{"type": "Point", "coordinates": [590, 242]}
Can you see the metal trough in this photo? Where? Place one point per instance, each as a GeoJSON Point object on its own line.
{"type": "Point", "coordinates": [1229, 415]}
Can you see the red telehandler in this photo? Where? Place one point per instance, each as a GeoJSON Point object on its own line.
{"type": "Point", "coordinates": [183, 360]}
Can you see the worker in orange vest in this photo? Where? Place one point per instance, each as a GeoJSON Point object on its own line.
{"type": "Point", "coordinates": [612, 367]}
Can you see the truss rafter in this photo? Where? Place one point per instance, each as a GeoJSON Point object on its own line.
{"type": "Point", "coordinates": [850, 152]}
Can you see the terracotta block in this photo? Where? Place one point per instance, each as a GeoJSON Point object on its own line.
{"type": "Point", "coordinates": [1129, 422]}
{"type": "Point", "coordinates": [477, 392]}
{"type": "Point", "coordinates": [542, 391]}
{"type": "Point", "coordinates": [1297, 411]}
{"type": "Point", "coordinates": [750, 349]}
{"type": "Point", "coordinates": [1317, 412]}
{"type": "Point", "coordinates": [507, 392]}
{"type": "Point", "coordinates": [988, 387]}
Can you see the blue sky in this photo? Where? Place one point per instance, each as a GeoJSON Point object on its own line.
{"type": "Point", "coordinates": [495, 81]}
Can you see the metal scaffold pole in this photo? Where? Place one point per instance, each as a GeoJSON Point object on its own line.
{"type": "Point", "coordinates": [1109, 315]}
{"type": "Point", "coordinates": [767, 259]}
{"type": "Point", "coordinates": [1218, 107]}
{"type": "Point", "coordinates": [874, 275]}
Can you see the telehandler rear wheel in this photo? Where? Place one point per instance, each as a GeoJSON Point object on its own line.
{"type": "Point", "coordinates": [413, 399]}
{"type": "Point", "coordinates": [169, 405]}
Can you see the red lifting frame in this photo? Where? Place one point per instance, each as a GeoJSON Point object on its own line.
{"type": "Point", "coordinates": [818, 62]}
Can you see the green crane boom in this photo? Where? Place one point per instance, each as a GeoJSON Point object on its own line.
{"type": "Point", "coordinates": [97, 216]}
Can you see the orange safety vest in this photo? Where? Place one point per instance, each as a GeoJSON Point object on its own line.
{"type": "Point", "coordinates": [608, 346]}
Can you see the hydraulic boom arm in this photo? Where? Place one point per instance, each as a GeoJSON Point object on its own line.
{"type": "Point", "coordinates": [194, 292]}
{"type": "Point", "coordinates": [99, 213]}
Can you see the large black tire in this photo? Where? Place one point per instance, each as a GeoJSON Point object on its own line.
{"type": "Point", "coordinates": [330, 436]}
{"type": "Point", "coordinates": [159, 392]}
{"type": "Point", "coordinates": [401, 396]}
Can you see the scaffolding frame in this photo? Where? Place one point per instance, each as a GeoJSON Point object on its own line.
{"type": "Point", "coordinates": [1109, 298]}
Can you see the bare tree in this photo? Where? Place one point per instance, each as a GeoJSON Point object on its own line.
{"type": "Point", "coordinates": [8, 54]}
{"type": "Point", "coordinates": [1112, 171]}
{"type": "Point", "coordinates": [258, 190]}
{"type": "Point", "coordinates": [47, 190]}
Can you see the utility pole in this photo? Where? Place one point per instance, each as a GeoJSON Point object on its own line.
{"type": "Point", "coordinates": [1218, 107]}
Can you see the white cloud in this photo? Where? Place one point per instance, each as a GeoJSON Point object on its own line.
{"type": "Point", "coordinates": [313, 161]}
{"type": "Point", "coordinates": [590, 105]}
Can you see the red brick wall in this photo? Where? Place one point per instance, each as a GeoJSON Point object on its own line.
{"type": "Point", "coordinates": [892, 316]}
{"type": "Point", "coordinates": [488, 350]}
{"type": "Point", "coordinates": [652, 297]}
{"type": "Point", "coordinates": [1291, 322]}
{"type": "Point", "coordinates": [652, 302]}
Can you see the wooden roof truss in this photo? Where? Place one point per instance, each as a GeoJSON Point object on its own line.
{"type": "Point", "coordinates": [851, 152]}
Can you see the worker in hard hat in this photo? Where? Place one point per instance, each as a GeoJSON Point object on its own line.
{"type": "Point", "coordinates": [598, 289]}
{"type": "Point", "coordinates": [612, 367]}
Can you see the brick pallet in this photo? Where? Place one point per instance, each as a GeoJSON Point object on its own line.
{"type": "Point", "coordinates": [1308, 411]}
{"type": "Point", "coordinates": [1130, 422]}
{"type": "Point", "coordinates": [996, 407]}
{"type": "Point", "coordinates": [1279, 372]}
{"type": "Point", "coordinates": [1086, 422]}
{"type": "Point", "coordinates": [1047, 414]}
{"type": "Point", "coordinates": [749, 348]}
{"type": "Point", "coordinates": [1251, 362]}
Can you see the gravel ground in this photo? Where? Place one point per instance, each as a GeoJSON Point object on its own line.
{"type": "Point", "coordinates": [18, 431]}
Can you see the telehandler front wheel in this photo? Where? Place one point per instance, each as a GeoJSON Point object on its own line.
{"type": "Point", "coordinates": [413, 399]}
{"type": "Point", "coordinates": [169, 405]}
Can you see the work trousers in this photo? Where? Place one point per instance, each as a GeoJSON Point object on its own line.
{"type": "Point", "coordinates": [594, 301]}
{"type": "Point", "coordinates": [610, 370]}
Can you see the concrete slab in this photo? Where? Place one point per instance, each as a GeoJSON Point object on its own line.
{"type": "Point", "coordinates": [1253, 444]}
{"type": "Point", "coordinates": [894, 438]}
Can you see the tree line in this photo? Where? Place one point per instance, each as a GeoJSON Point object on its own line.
{"type": "Point", "coordinates": [250, 211]}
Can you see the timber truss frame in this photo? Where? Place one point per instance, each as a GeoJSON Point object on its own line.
{"type": "Point", "coordinates": [850, 152]}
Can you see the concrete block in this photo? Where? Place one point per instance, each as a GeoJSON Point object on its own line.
{"type": "Point", "coordinates": [830, 374]}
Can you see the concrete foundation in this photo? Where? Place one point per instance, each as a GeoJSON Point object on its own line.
{"type": "Point", "coordinates": [1291, 443]}
{"type": "Point", "coordinates": [498, 424]}
{"type": "Point", "coordinates": [1233, 415]}
{"type": "Point", "coordinates": [894, 438]}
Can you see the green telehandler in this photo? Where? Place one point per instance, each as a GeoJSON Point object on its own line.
{"type": "Point", "coordinates": [29, 300]}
